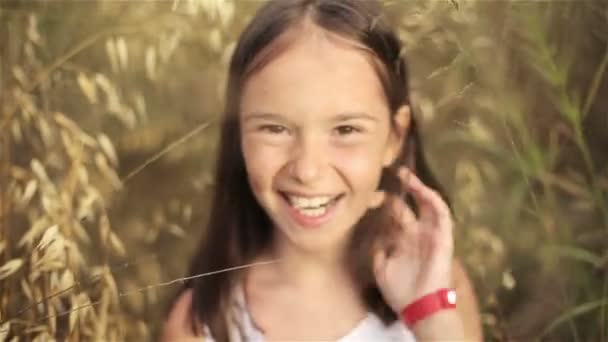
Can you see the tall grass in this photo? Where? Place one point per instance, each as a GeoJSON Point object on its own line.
{"type": "Point", "coordinates": [52, 206]}
{"type": "Point", "coordinates": [107, 138]}
{"type": "Point", "coordinates": [529, 176]}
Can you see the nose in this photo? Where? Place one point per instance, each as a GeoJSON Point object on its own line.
{"type": "Point", "coordinates": [306, 163]}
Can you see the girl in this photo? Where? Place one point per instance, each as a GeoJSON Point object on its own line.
{"type": "Point", "coordinates": [317, 148]}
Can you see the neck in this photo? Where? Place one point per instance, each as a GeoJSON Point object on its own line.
{"type": "Point", "coordinates": [310, 274]}
{"type": "Point", "coordinates": [310, 269]}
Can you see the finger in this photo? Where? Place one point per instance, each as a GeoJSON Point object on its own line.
{"type": "Point", "coordinates": [432, 207]}
{"type": "Point", "coordinates": [377, 199]}
{"type": "Point", "coordinates": [406, 239]}
{"type": "Point", "coordinates": [401, 212]}
{"type": "Point", "coordinates": [380, 258]}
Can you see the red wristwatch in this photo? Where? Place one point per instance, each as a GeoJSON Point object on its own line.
{"type": "Point", "coordinates": [428, 305]}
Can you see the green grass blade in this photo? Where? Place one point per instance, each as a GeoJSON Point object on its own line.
{"type": "Point", "coordinates": [576, 253]}
{"type": "Point", "coordinates": [574, 312]}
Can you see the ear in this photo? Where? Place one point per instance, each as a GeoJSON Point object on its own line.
{"type": "Point", "coordinates": [400, 123]}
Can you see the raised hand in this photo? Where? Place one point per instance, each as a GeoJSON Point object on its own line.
{"type": "Point", "coordinates": [421, 259]}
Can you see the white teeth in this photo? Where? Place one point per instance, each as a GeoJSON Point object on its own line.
{"type": "Point", "coordinates": [310, 206]}
{"type": "Point", "coordinates": [308, 202]}
{"type": "Point", "coordinates": [313, 212]}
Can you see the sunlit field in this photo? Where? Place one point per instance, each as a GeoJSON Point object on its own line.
{"type": "Point", "coordinates": [109, 122]}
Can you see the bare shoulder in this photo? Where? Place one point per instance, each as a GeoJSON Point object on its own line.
{"type": "Point", "coordinates": [177, 326]}
{"type": "Point", "coordinates": [467, 302]}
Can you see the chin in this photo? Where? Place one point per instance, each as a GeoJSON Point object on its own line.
{"type": "Point", "coordinates": [329, 238]}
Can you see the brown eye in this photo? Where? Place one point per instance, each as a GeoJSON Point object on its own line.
{"type": "Point", "coordinates": [347, 130]}
{"type": "Point", "coordinates": [274, 129]}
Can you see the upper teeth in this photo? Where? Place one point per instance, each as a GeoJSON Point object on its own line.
{"type": "Point", "coordinates": [309, 202]}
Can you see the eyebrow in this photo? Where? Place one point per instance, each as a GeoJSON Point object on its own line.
{"type": "Point", "coordinates": [263, 116]}
{"type": "Point", "coordinates": [354, 115]}
{"type": "Point", "coordinates": [340, 117]}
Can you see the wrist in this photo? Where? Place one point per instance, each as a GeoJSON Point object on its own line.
{"type": "Point", "coordinates": [444, 325]}
{"type": "Point", "coordinates": [428, 305]}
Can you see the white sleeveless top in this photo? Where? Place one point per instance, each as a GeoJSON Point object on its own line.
{"type": "Point", "coordinates": [369, 329]}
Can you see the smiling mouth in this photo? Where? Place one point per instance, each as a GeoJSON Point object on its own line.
{"type": "Point", "coordinates": [314, 206]}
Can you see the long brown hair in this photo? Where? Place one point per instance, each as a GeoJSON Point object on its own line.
{"type": "Point", "coordinates": [238, 229]}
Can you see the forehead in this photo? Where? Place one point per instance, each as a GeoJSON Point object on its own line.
{"type": "Point", "coordinates": [316, 73]}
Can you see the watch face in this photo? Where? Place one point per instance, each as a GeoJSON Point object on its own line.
{"type": "Point", "coordinates": [451, 297]}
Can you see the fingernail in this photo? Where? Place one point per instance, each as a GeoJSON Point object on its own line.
{"type": "Point", "coordinates": [404, 171]}
{"type": "Point", "coordinates": [377, 199]}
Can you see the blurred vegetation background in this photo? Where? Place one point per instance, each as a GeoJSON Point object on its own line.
{"type": "Point", "coordinates": [108, 113]}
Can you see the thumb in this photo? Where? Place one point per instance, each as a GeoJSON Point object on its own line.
{"type": "Point", "coordinates": [380, 258]}
{"type": "Point", "coordinates": [377, 199]}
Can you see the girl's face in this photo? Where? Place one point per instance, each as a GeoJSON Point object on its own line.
{"type": "Point", "coordinates": [316, 133]}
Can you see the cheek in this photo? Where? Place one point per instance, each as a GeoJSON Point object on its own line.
{"type": "Point", "coordinates": [361, 165]}
{"type": "Point", "coordinates": [262, 163]}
